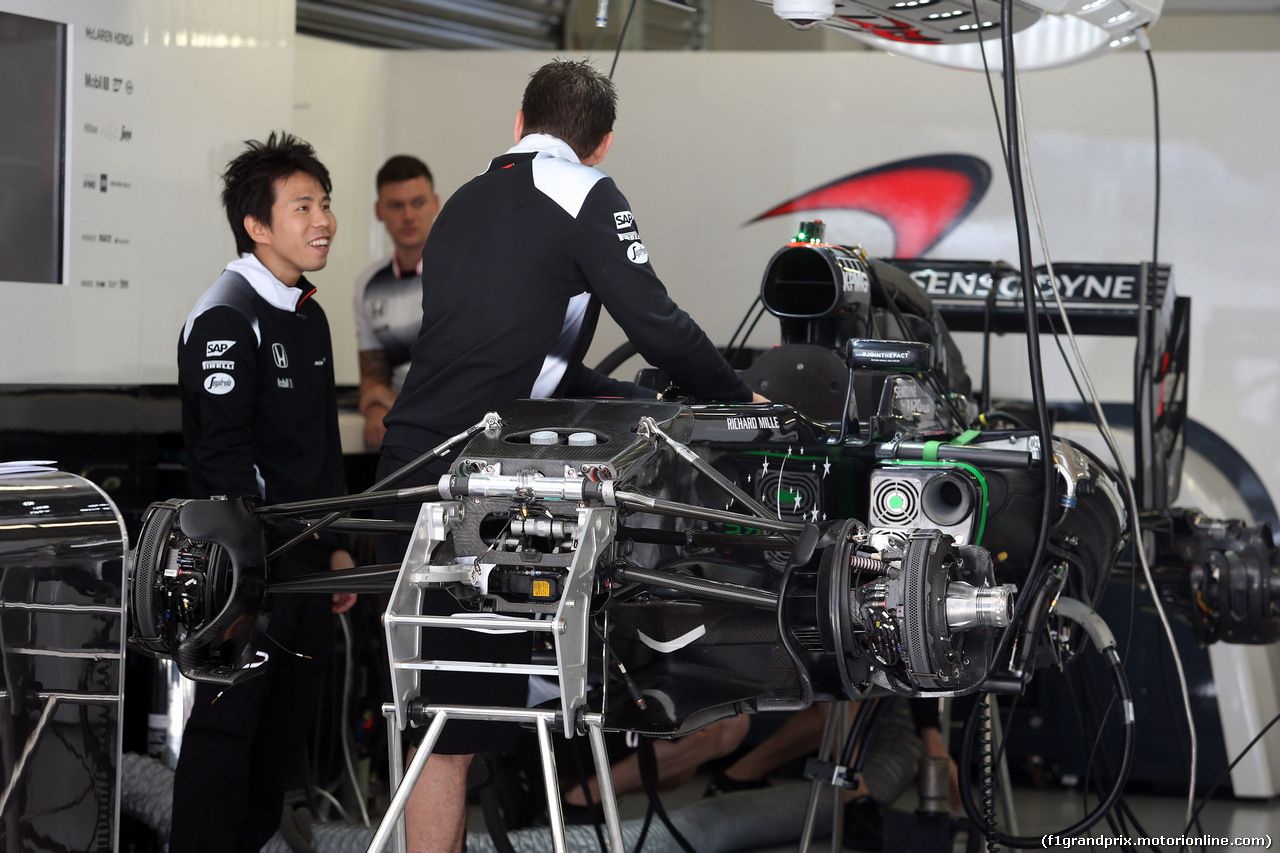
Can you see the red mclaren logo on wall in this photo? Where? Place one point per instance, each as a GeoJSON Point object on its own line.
{"type": "Point", "coordinates": [921, 198]}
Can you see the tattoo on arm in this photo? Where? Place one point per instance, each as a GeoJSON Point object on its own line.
{"type": "Point", "coordinates": [375, 365]}
{"type": "Point", "coordinates": [375, 379]}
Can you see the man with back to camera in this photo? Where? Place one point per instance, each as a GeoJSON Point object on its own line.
{"type": "Point", "coordinates": [514, 275]}
{"type": "Point", "coordinates": [260, 417]}
{"type": "Point", "coordinates": [388, 297]}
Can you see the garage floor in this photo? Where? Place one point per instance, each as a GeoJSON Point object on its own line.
{"type": "Point", "coordinates": [1040, 812]}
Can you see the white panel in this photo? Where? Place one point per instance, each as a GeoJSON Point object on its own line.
{"type": "Point", "coordinates": [194, 79]}
{"type": "Point", "coordinates": [705, 142]}
{"type": "Point", "coordinates": [1248, 697]}
{"type": "Point", "coordinates": [340, 108]}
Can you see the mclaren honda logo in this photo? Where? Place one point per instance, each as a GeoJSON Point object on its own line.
{"type": "Point", "coordinates": [921, 198]}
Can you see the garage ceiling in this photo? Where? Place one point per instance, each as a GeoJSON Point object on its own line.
{"type": "Point", "coordinates": [530, 24]}
{"type": "Point", "coordinates": [1218, 7]}
{"type": "Point", "coordinates": [542, 24]}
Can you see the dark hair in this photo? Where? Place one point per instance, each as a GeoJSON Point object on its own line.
{"type": "Point", "coordinates": [249, 184]}
{"type": "Point", "coordinates": [402, 167]}
{"type": "Point", "coordinates": [571, 101]}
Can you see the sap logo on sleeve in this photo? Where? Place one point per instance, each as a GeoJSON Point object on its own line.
{"type": "Point", "coordinates": [637, 253]}
{"type": "Point", "coordinates": [219, 383]}
{"type": "Point", "coordinates": [623, 219]}
{"type": "Point", "coordinates": [213, 349]}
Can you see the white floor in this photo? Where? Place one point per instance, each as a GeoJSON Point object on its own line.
{"type": "Point", "coordinates": [1038, 813]}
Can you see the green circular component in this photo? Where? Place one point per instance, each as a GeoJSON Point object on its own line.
{"type": "Point", "coordinates": [896, 501]}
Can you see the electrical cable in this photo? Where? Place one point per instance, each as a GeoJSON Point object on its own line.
{"type": "Point", "coordinates": [745, 337]}
{"type": "Point", "coordinates": [1035, 569]}
{"type": "Point", "coordinates": [1105, 643]}
{"type": "Point", "coordinates": [865, 709]}
{"type": "Point", "coordinates": [1133, 578]}
{"type": "Point", "coordinates": [988, 775]}
{"type": "Point", "coordinates": [1165, 692]}
{"type": "Point", "coordinates": [1091, 730]}
{"type": "Point", "coordinates": [732, 338]}
{"type": "Point", "coordinates": [1048, 316]}
{"type": "Point", "coordinates": [649, 779]}
{"type": "Point", "coordinates": [1213, 789]}
{"type": "Point", "coordinates": [883, 707]}
{"type": "Point", "coordinates": [991, 89]}
{"type": "Point", "coordinates": [1145, 42]}
{"type": "Point", "coordinates": [1109, 437]}
{"type": "Point", "coordinates": [621, 37]}
{"type": "Point", "coordinates": [334, 802]}
{"type": "Point", "coordinates": [348, 676]}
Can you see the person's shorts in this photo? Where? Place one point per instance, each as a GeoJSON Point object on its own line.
{"type": "Point", "coordinates": [459, 737]}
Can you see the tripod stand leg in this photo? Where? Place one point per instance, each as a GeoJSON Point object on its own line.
{"type": "Point", "coordinates": [555, 816]}
{"type": "Point", "coordinates": [840, 730]}
{"type": "Point", "coordinates": [830, 736]}
{"type": "Point", "coordinates": [395, 767]}
{"type": "Point", "coordinates": [595, 734]}
{"type": "Point", "coordinates": [395, 811]}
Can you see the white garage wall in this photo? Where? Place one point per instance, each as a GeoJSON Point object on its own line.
{"type": "Point", "coordinates": [707, 141]}
{"type": "Point", "coordinates": [341, 107]}
{"type": "Point", "coordinates": [196, 78]}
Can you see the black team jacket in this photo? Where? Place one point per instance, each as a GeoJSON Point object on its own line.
{"type": "Point", "coordinates": [514, 273]}
{"type": "Point", "coordinates": [259, 409]}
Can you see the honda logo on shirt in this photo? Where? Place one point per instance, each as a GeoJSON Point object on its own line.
{"type": "Point", "coordinates": [277, 351]}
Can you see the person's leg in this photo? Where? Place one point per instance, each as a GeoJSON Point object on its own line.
{"type": "Point", "coordinates": [299, 635]}
{"type": "Point", "coordinates": [436, 812]}
{"type": "Point", "coordinates": [210, 799]}
{"type": "Point", "coordinates": [678, 760]}
{"type": "Point", "coordinates": [800, 735]}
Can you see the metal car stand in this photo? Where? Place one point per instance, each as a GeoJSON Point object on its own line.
{"type": "Point", "coordinates": [839, 772]}
{"type": "Point", "coordinates": [568, 630]}
{"type": "Point", "coordinates": [834, 731]}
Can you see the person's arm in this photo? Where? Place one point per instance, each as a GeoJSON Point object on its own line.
{"type": "Point", "coordinates": [592, 383]}
{"type": "Point", "coordinates": [617, 266]}
{"type": "Point", "coordinates": [338, 560]}
{"type": "Point", "coordinates": [217, 369]}
{"type": "Point", "coordinates": [376, 396]}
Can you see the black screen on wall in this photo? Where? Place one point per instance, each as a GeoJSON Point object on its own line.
{"type": "Point", "coordinates": [32, 129]}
